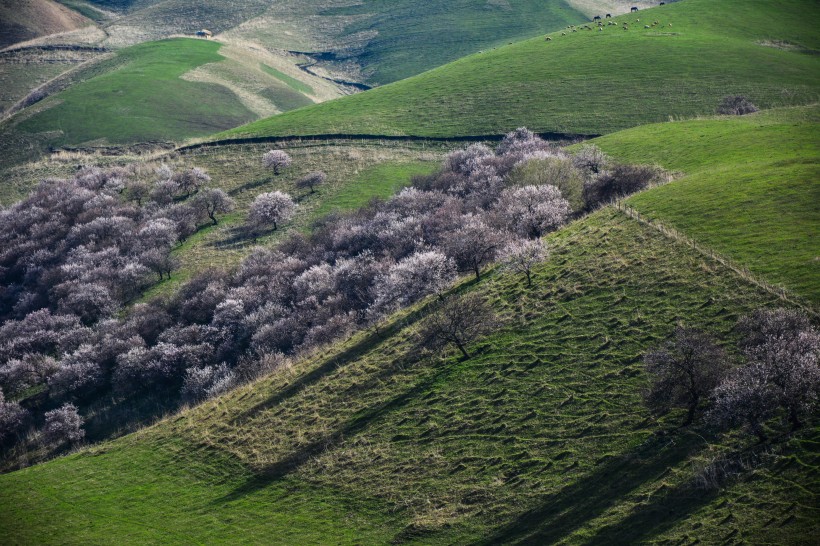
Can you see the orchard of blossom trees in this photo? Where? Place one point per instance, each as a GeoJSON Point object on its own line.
{"type": "Point", "coordinates": [77, 251]}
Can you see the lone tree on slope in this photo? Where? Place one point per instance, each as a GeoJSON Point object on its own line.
{"type": "Point", "coordinates": [271, 208]}
{"type": "Point", "coordinates": [212, 202]}
{"type": "Point", "coordinates": [311, 181]}
{"type": "Point", "coordinates": [458, 321]}
{"type": "Point", "coordinates": [277, 160]}
{"type": "Point", "coordinates": [683, 371]}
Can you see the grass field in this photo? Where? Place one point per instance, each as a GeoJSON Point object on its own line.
{"type": "Point", "coordinates": [144, 99]}
{"type": "Point", "coordinates": [750, 188]}
{"type": "Point", "coordinates": [539, 438]}
{"type": "Point", "coordinates": [592, 82]}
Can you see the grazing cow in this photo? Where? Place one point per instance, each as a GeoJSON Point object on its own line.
{"type": "Point", "coordinates": [609, 16]}
{"type": "Point", "coordinates": [662, 4]}
{"type": "Point", "coordinates": [549, 39]}
{"type": "Point", "coordinates": [596, 18]}
{"type": "Point", "coordinates": [634, 9]}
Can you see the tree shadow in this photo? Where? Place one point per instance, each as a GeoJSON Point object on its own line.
{"type": "Point", "coordinates": [367, 343]}
{"type": "Point", "coordinates": [252, 184]}
{"type": "Point", "coordinates": [281, 468]}
{"type": "Point", "coordinates": [567, 510]}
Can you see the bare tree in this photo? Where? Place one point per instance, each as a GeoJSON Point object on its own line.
{"type": "Point", "coordinates": [277, 160]}
{"type": "Point", "coordinates": [458, 321]}
{"type": "Point", "coordinates": [311, 181]}
{"type": "Point", "coordinates": [683, 371]}
{"type": "Point", "coordinates": [523, 254]}
{"type": "Point", "coordinates": [214, 201]}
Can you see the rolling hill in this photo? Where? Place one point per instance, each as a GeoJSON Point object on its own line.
{"type": "Point", "coordinates": [539, 438]}
{"type": "Point", "coordinates": [591, 82]}
{"type": "Point", "coordinates": [22, 20]}
{"type": "Point", "coordinates": [749, 188]}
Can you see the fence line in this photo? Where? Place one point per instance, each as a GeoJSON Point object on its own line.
{"type": "Point", "coordinates": [743, 271]}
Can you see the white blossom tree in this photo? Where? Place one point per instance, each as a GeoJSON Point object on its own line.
{"type": "Point", "coordinates": [272, 208]}
{"type": "Point", "coordinates": [276, 160]}
{"type": "Point", "coordinates": [63, 424]}
{"type": "Point", "coordinates": [532, 211]}
{"type": "Point", "coordinates": [418, 275]}
{"type": "Point", "coordinates": [523, 254]}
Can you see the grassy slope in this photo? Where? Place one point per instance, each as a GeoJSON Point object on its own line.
{"type": "Point", "coordinates": [413, 37]}
{"type": "Point", "coordinates": [750, 189]}
{"type": "Point", "coordinates": [591, 82]}
{"type": "Point", "coordinates": [145, 99]}
{"type": "Point", "coordinates": [540, 436]}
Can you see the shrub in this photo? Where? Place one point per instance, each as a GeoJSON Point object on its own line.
{"type": "Point", "coordinates": [12, 418]}
{"type": "Point", "coordinates": [554, 171]}
{"type": "Point", "coordinates": [736, 105]}
{"type": "Point", "coordinates": [621, 181]}
{"type": "Point", "coordinates": [63, 424]}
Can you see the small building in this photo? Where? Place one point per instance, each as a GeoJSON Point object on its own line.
{"type": "Point", "coordinates": [204, 33]}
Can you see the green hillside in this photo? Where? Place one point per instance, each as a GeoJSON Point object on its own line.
{"type": "Point", "coordinates": [540, 437]}
{"type": "Point", "coordinates": [749, 188]}
{"type": "Point", "coordinates": [143, 99]}
{"type": "Point", "coordinates": [402, 38]}
{"type": "Point", "coordinates": [590, 81]}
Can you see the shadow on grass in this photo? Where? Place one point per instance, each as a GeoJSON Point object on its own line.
{"type": "Point", "coordinates": [369, 342]}
{"type": "Point", "coordinates": [589, 497]}
{"type": "Point", "coordinates": [249, 186]}
{"type": "Point", "coordinates": [356, 424]}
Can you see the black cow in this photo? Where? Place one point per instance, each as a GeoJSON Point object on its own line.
{"type": "Point", "coordinates": [608, 15]}
{"type": "Point", "coordinates": [596, 18]}
{"type": "Point", "coordinates": [634, 9]}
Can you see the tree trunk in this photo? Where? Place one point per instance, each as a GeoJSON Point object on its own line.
{"type": "Point", "coordinates": [462, 349]}
{"type": "Point", "coordinates": [477, 273]}
{"type": "Point", "coordinates": [794, 419]}
{"type": "Point", "coordinates": [690, 415]}
{"type": "Point", "coordinates": [529, 278]}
